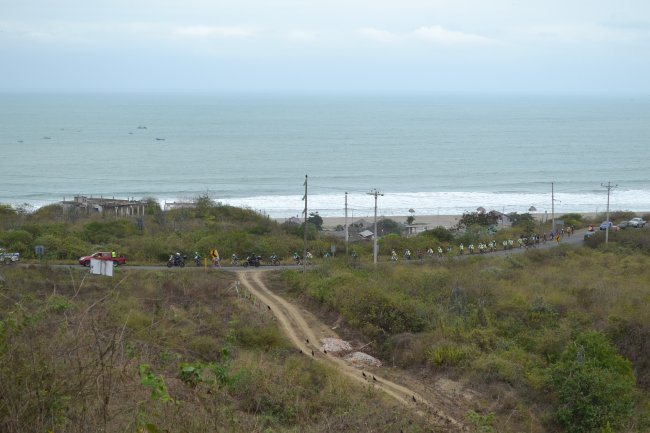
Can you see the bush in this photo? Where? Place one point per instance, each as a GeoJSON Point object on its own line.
{"type": "Point", "coordinates": [450, 354]}
{"type": "Point", "coordinates": [594, 385]}
{"type": "Point", "coordinates": [572, 219]}
{"type": "Point", "coordinates": [98, 232]}
{"type": "Point", "coordinates": [440, 233]}
{"type": "Point", "coordinates": [16, 236]}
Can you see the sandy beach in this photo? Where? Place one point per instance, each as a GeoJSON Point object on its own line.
{"type": "Point", "coordinates": [420, 220]}
{"type": "Point", "coordinates": [425, 222]}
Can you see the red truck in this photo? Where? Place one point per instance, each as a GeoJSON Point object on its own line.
{"type": "Point", "coordinates": [103, 255]}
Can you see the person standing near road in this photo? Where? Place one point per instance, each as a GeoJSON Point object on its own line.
{"type": "Point", "coordinates": [214, 255]}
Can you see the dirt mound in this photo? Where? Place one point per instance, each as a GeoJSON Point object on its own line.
{"type": "Point", "coordinates": [335, 345]}
{"type": "Point", "coordinates": [360, 359]}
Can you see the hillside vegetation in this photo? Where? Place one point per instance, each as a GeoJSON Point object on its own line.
{"type": "Point", "coordinates": [69, 234]}
{"type": "Point", "coordinates": [552, 340]}
{"type": "Point", "coordinates": [163, 352]}
{"type": "Point", "coordinates": [557, 339]}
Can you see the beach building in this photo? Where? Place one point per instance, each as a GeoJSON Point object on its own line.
{"type": "Point", "coordinates": [366, 234]}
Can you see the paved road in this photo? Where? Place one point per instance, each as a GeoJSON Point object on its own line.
{"type": "Point", "coordinates": [575, 239]}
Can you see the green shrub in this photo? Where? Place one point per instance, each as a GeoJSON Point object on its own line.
{"type": "Point", "coordinates": [594, 385]}
{"type": "Point", "coordinates": [499, 367]}
{"type": "Point", "coordinates": [572, 219]}
{"type": "Point", "coordinates": [480, 423]}
{"type": "Point", "coordinates": [101, 232]}
{"type": "Point", "coordinates": [440, 233]}
{"type": "Point", "coordinates": [450, 354]}
{"type": "Point", "coordinates": [260, 337]}
{"type": "Point", "coordinates": [15, 236]}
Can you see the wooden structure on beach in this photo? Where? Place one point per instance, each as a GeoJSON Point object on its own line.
{"type": "Point", "coordinates": [106, 206]}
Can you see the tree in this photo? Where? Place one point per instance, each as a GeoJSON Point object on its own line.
{"type": "Point", "coordinates": [440, 233]}
{"type": "Point", "coordinates": [203, 205]}
{"type": "Point", "coordinates": [387, 226]}
{"type": "Point", "coordinates": [478, 218]}
{"type": "Point", "coordinates": [316, 220]}
{"type": "Point", "coordinates": [594, 385]}
{"type": "Point", "coordinates": [520, 219]}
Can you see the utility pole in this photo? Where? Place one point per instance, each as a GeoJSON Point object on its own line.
{"type": "Point", "coordinates": [304, 255]}
{"type": "Point", "coordinates": [346, 225]}
{"type": "Point", "coordinates": [374, 246]}
{"type": "Point", "coordinates": [552, 210]}
{"type": "Point", "coordinates": [609, 187]}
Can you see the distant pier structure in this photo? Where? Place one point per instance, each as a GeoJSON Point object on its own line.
{"type": "Point", "coordinates": [110, 206]}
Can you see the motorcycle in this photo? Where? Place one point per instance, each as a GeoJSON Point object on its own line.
{"type": "Point", "coordinates": [252, 260]}
{"type": "Point", "coordinates": [176, 260]}
{"type": "Point", "coordinates": [197, 259]}
{"type": "Point", "coordinates": [274, 260]}
{"type": "Point", "coordinates": [234, 260]}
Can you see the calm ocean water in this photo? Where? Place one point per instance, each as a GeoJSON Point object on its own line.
{"type": "Point", "coordinates": [435, 154]}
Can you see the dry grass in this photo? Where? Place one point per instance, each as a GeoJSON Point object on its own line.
{"type": "Point", "coordinates": [160, 351]}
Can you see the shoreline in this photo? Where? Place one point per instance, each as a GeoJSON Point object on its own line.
{"type": "Point", "coordinates": [424, 222]}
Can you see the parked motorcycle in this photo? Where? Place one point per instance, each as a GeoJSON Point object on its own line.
{"type": "Point", "coordinates": [176, 260]}
{"type": "Point", "coordinates": [252, 260]}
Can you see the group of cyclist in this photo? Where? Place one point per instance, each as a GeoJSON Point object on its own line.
{"type": "Point", "coordinates": [481, 247]}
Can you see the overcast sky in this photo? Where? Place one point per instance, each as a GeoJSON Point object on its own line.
{"type": "Point", "coordinates": [594, 46]}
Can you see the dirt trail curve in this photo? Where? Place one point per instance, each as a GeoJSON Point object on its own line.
{"type": "Point", "coordinates": [299, 331]}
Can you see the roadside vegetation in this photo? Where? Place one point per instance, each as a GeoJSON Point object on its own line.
{"type": "Point", "coordinates": [70, 234]}
{"type": "Point", "coordinates": [67, 234]}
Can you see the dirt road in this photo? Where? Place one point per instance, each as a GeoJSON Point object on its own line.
{"type": "Point", "coordinates": [305, 331]}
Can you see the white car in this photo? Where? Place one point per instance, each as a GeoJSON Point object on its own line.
{"type": "Point", "coordinates": [637, 222]}
{"type": "Point", "coordinates": [8, 258]}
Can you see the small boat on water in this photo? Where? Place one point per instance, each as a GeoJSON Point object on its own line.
{"type": "Point", "coordinates": [47, 138]}
{"type": "Point", "coordinates": [142, 127]}
{"type": "Point", "coordinates": [160, 139]}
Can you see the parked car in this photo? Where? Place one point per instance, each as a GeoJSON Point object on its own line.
{"type": "Point", "coordinates": [103, 255]}
{"type": "Point", "coordinates": [637, 222]}
{"type": "Point", "coordinates": [623, 225]}
{"type": "Point", "coordinates": [8, 258]}
{"type": "Point", "coordinates": [606, 225]}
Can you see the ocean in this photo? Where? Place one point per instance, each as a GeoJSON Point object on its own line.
{"type": "Point", "coordinates": [435, 154]}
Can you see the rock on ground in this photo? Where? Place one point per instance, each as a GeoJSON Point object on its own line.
{"type": "Point", "coordinates": [335, 345]}
{"type": "Point", "coordinates": [360, 359]}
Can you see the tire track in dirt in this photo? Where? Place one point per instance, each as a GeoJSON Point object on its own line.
{"type": "Point", "coordinates": [297, 329]}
